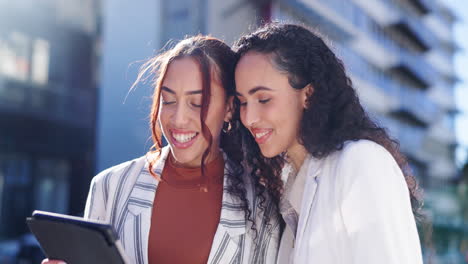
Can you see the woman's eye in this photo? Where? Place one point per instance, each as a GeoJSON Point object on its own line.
{"type": "Point", "coordinates": [264, 101]}
{"type": "Point", "coordinates": [167, 102]}
{"type": "Point", "coordinates": [241, 103]}
{"type": "Point", "coordinates": [195, 105]}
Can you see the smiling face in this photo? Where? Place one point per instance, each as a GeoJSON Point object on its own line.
{"type": "Point", "coordinates": [179, 113]}
{"type": "Point", "coordinates": [270, 108]}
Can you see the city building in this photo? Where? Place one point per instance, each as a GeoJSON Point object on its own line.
{"type": "Point", "coordinates": [399, 55]}
{"type": "Point", "coordinates": [48, 94]}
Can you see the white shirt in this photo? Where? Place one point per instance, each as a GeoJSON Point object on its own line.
{"type": "Point", "coordinates": [355, 209]}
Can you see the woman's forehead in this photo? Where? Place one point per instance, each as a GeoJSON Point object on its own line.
{"type": "Point", "coordinates": [256, 69]}
{"type": "Point", "coordinates": [185, 74]}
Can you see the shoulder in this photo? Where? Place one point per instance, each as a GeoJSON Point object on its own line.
{"type": "Point", "coordinates": [119, 171]}
{"type": "Point", "coordinates": [354, 158]}
{"type": "Point", "coordinates": [361, 152]}
{"type": "Point", "coordinates": [363, 148]}
{"type": "Point", "coordinates": [366, 165]}
{"type": "Point", "coordinates": [364, 161]}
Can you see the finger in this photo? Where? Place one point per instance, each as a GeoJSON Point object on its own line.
{"type": "Point", "coordinates": [53, 261]}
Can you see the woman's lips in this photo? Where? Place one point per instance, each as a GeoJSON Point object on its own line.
{"type": "Point", "coordinates": [183, 139]}
{"type": "Point", "coordinates": [261, 135]}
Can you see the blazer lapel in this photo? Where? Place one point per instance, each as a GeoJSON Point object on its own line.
{"type": "Point", "coordinates": [137, 212]}
{"type": "Point", "coordinates": [229, 238]}
{"type": "Point", "coordinates": [310, 189]}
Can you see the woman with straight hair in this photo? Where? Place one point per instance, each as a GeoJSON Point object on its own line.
{"type": "Point", "coordinates": [188, 202]}
{"type": "Point", "coordinates": [343, 188]}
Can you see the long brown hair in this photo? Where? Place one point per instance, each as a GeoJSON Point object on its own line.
{"type": "Point", "coordinates": [213, 57]}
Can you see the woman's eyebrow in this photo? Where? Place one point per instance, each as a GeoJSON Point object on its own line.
{"type": "Point", "coordinates": [167, 89]}
{"type": "Point", "coordinates": [194, 92]}
{"type": "Point", "coordinates": [255, 89]}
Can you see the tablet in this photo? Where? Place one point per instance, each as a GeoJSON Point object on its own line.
{"type": "Point", "coordinates": [76, 240]}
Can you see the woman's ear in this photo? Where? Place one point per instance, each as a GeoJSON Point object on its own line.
{"type": "Point", "coordinates": [307, 93]}
{"type": "Point", "coordinates": [229, 109]}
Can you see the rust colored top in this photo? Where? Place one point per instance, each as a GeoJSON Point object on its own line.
{"type": "Point", "coordinates": [185, 214]}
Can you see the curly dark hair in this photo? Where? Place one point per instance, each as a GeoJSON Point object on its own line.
{"type": "Point", "coordinates": [334, 114]}
{"type": "Point", "coordinates": [212, 56]}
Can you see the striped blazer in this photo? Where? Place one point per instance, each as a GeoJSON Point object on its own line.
{"type": "Point", "coordinates": [123, 196]}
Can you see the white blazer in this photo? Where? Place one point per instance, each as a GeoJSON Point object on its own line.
{"type": "Point", "coordinates": [123, 196]}
{"type": "Point", "coordinates": [356, 210]}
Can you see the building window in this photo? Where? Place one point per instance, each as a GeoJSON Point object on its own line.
{"type": "Point", "coordinates": [51, 190]}
{"type": "Point", "coordinates": [15, 176]}
{"type": "Point", "coordinates": [40, 62]}
{"type": "Point", "coordinates": [14, 56]}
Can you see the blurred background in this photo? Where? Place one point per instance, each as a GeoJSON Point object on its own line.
{"type": "Point", "coordinates": [66, 112]}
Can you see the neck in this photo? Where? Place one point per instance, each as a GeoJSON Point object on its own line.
{"type": "Point", "coordinates": [212, 155]}
{"type": "Point", "coordinates": [296, 155]}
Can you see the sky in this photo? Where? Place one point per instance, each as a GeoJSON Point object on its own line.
{"type": "Point", "coordinates": [461, 67]}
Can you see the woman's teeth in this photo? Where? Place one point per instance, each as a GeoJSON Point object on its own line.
{"type": "Point", "coordinates": [182, 138]}
{"type": "Point", "coordinates": [259, 135]}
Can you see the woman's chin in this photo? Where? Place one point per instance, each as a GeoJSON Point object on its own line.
{"type": "Point", "coordinates": [183, 157]}
{"type": "Point", "coordinates": [269, 153]}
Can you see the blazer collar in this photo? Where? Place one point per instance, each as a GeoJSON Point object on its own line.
{"type": "Point", "coordinates": [232, 214]}
{"type": "Point", "coordinates": [145, 186]}
{"type": "Point", "coordinates": [310, 190]}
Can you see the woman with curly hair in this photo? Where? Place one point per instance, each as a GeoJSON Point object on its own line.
{"type": "Point", "coordinates": [343, 188]}
{"type": "Point", "coordinates": [188, 202]}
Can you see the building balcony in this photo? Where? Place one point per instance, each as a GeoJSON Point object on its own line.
{"type": "Point", "coordinates": [326, 15]}
{"type": "Point", "coordinates": [47, 102]}
{"type": "Point", "coordinates": [423, 6]}
{"type": "Point", "coordinates": [444, 12]}
{"type": "Point", "coordinates": [411, 138]}
{"type": "Point", "coordinates": [413, 68]}
{"type": "Point", "coordinates": [373, 42]}
{"type": "Point", "coordinates": [379, 10]}
{"type": "Point", "coordinates": [370, 37]}
{"type": "Point", "coordinates": [443, 132]}
{"type": "Point", "coordinates": [392, 56]}
{"type": "Point", "coordinates": [398, 98]}
{"type": "Point", "coordinates": [443, 95]}
{"type": "Point", "coordinates": [416, 105]}
{"type": "Point", "coordinates": [408, 26]}
{"type": "Point", "coordinates": [443, 169]}
{"type": "Point", "coordinates": [441, 28]}
{"type": "Point", "coordinates": [410, 31]}
{"type": "Point", "coordinates": [371, 89]}
{"type": "Point", "coordinates": [441, 60]}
